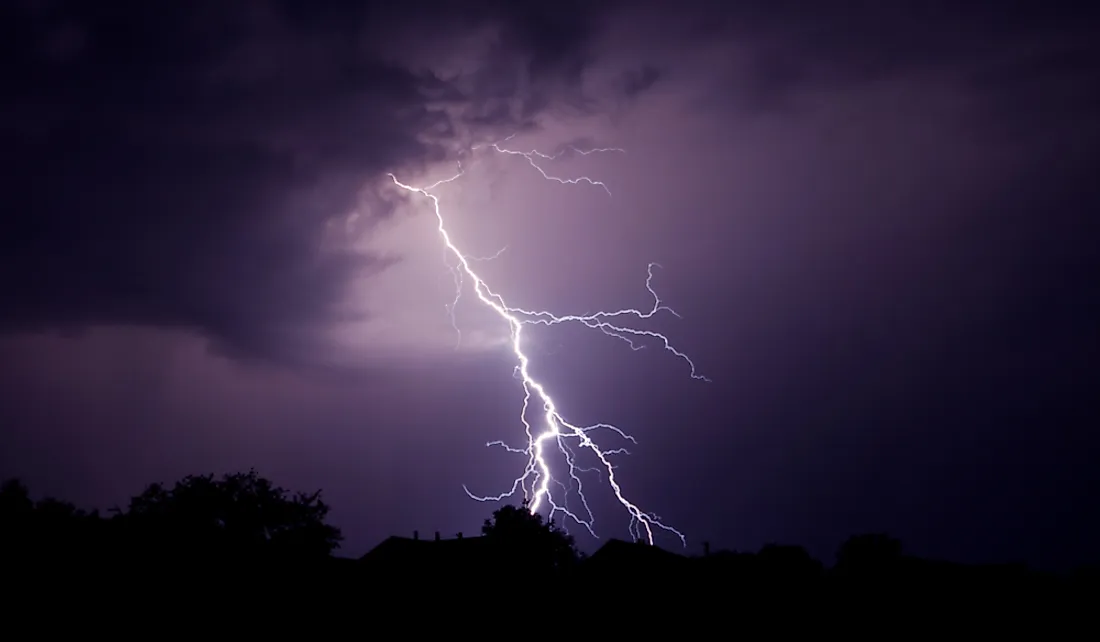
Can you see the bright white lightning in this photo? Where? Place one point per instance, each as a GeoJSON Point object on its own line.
{"type": "Point", "coordinates": [557, 430]}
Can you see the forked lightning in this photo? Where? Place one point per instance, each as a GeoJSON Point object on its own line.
{"type": "Point", "coordinates": [555, 431]}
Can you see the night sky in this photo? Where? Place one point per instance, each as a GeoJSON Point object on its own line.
{"type": "Point", "coordinates": [875, 220]}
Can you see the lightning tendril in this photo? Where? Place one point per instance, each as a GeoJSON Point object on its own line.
{"type": "Point", "coordinates": [537, 483]}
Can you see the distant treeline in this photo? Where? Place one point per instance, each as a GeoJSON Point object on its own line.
{"type": "Point", "coordinates": [244, 526]}
{"type": "Point", "coordinates": [241, 517]}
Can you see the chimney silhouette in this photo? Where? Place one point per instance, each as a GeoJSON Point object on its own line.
{"type": "Point", "coordinates": [416, 534]}
{"type": "Point", "coordinates": [460, 535]}
{"type": "Point", "coordinates": [706, 549]}
{"type": "Point", "coordinates": [437, 536]}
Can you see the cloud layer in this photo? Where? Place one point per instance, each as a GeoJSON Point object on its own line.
{"type": "Point", "coordinates": [177, 165]}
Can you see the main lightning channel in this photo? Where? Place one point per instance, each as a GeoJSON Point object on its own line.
{"type": "Point", "coordinates": [558, 431]}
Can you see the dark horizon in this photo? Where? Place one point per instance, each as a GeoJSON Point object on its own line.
{"type": "Point", "coordinates": [241, 522]}
{"type": "Point", "coordinates": [702, 549]}
{"type": "Point", "coordinates": [875, 225]}
{"type": "Point", "coordinates": [239, 546]}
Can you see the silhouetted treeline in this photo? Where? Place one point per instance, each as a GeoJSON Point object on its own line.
{"type": "Point", "coordinates": [242, 527]}
{"type": "Point", "coordinates": [200, 525]}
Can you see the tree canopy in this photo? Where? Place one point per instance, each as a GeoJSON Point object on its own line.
{"type": "Point", "coordinates": [528, 537]}
{"type": "Point", "coordinates": [47, 526]}
{"type": "Point", "coordinates": [242, 514]}
{"type": "Point", "coordinates": [869, 551]}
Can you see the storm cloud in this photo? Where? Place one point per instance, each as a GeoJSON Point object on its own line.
{"type": "Point", "coordinates": [178, 165]}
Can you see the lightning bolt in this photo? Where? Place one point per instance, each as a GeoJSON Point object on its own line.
{"type": "Point", "coordinates": [556, 431]}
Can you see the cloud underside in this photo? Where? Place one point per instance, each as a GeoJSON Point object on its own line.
{"type": "Point", "coordinates": [178, 165]}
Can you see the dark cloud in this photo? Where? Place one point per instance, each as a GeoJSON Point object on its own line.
{"type": "Point", "coordinates": [781, 49]}
{"type": "Point", "coordinates": [177, 164]}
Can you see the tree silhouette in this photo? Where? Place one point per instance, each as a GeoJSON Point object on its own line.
{"type": "Point", "coordinates": [46, 528]}
{"type": "Point", "coordinates": [15, 500]}
{"type": "Point", "coordinates": [241, 515]}
{"type": "Point", "coordinates": [16, 515]}
{"type": "Point", "coordinates": [526, 538]}
{"type": "Point", "coordinates": [868, 553]}
{"type": "Point", "coordinates": [788, 563]}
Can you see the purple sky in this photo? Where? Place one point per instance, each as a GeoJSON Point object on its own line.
{"type": "Point", "coordinates": [875, 220]}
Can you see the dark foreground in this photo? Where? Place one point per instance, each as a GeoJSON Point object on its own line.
{"type": "Point", "coordinates": [689, 598]}
{"type": "Point", "coordinates": [240, 556]}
